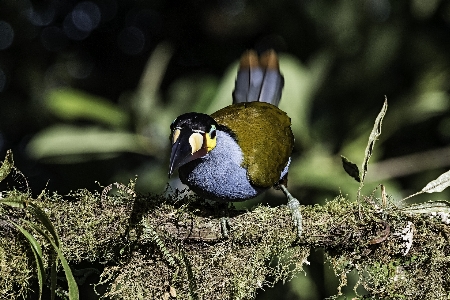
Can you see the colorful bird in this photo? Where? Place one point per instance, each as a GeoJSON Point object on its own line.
{"type": "Point", "coordinates": [241, 150]}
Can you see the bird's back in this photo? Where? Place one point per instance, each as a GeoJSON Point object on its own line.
{"type": "Point", "coordinates": [264, 134]}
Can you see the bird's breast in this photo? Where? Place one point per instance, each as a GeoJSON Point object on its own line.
{"type": "Point", "coordinates": [219, 174]}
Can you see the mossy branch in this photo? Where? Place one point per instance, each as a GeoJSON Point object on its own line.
{"type": "Point", "coordinates": [160, 247]}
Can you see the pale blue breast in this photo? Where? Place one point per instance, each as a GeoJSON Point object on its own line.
{"type": "Point", "coordinates": [219, 175]}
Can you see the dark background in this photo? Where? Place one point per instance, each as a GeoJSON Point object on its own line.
{"type": "Point", "coordinates": [88, 91]}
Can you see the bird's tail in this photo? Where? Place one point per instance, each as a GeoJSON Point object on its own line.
{"type": "Point", "coordinates": [259, 79]}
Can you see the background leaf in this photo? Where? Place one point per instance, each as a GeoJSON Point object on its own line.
{"type": "Point", "coordinates": [71, 104]}
{"type": "Point", "coordinates": [63, 143]}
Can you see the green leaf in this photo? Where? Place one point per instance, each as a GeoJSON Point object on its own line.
{"type": "Point", "coordinates": [376, 131]}
{"type": "Point", "coordinates": [7, 165]}
{"type": "Point", "coordinates": [64, 143]}
{"type": "Point", "coordinates": [37, 251]}
{"type": "Point", "coordinates": [13, 203]}
{"type": "Point", "coordinates": [44, 219]}
{"type": "Point", "coordinates": [350, 168]}
{"type": "Point", "coordinates": [53, 279]}
{"type": "Point", "coordinates": [150, 82]}
{"type": "Point", "coordinates": [53, 239]}
{"type": "Point", "coordinates": [439, 184]}
{"type": "Point", "coordinates": [73, 287]}
{"type": "Point", "coordinates": [71, 104]}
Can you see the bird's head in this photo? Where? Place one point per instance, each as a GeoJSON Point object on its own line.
{"type": "Point", "coordinates": [192, 136]}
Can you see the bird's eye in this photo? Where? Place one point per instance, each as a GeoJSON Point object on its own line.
{"type": "Point", "coordinates": [172, 125]}
{"type": "Point", "coordinates": [212, 132]}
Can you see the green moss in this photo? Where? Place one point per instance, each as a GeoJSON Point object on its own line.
{"type": "Point", "coordinates": [16, 269]}
{"type": "Point", "coordinates": [155, 246]}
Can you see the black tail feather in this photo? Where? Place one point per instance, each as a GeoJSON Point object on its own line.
{"type": "Point", "coordinates": [259, 79]}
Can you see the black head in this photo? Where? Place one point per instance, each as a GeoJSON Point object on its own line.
{"type": "Point", "coordinates": [195, 121]}
{"type": "Point", "coordinates": [192, 136]}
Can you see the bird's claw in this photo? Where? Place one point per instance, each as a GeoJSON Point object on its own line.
{"type": "Point", "coordinates": [294, 206]}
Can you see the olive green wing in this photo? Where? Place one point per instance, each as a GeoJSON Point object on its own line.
{"type": "Point", "coordinates": [264, 134]}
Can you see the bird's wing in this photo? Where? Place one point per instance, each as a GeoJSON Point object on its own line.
{"type": "Point", "coordinates": [264, 134]}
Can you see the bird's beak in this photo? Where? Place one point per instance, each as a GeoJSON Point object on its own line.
{"type": "Point", "coordinates": [187, 147]}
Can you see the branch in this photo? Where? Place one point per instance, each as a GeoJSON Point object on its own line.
{"type": "Point", "coordinates": [158, 247]}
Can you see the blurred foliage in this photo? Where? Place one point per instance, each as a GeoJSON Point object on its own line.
{"type": "Point", "coordinates": [88, 90]}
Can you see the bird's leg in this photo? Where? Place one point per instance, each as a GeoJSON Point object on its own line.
{"type": "Point", "coordinates": [223, 226]}
{"type": "Point", "coordinates": [222, 209]}
{"type": "Point", "coordinates": [294, 206]}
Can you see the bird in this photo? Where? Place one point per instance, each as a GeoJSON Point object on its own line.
{"type": "Point", "coordinates": [241, 150]}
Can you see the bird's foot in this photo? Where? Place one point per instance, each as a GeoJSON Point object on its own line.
{"type": "Point", "coordinates": [294, 206]}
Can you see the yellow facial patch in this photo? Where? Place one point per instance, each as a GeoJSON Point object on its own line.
{"type": "Point", "coordinates": [210, 141]}
{"type": "Point", "coordinates": [196, 142]}
{"type": "Point", "coordinates": [175, 135]}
